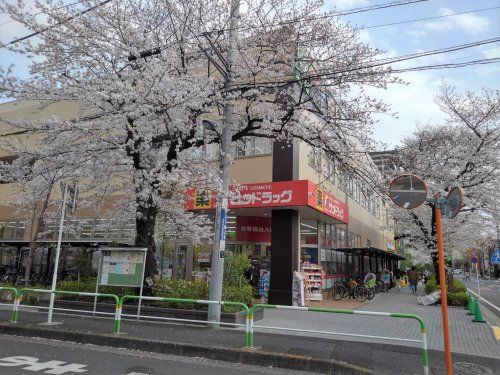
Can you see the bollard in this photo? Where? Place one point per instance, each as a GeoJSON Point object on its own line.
{"type": "Point", "coordinates": [472, 307]}
{"type": "Point", "coordinates": [478, 317]}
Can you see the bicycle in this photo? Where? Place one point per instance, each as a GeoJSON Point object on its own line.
{"type": "Point", "coordinates": [338, 291]}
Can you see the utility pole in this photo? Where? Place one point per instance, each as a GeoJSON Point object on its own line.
{"type": "Point", "coordinates": [216, 278]}
{"type": "Point", "coordinates": [58, 251]}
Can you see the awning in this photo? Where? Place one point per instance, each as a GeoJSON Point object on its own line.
{"type": "Point", "coordinates": [371, 251]}
{"type": "Point", "coordinates": [283, 194]}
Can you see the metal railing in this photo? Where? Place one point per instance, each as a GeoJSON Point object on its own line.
{"type": "Point", "coordinates": [248, 338]}
{"type": "Point", "coordinates": [249, 315]}
{"type": "Point", "coordinates": [423, 329]}
{"type": "Point", "coordinates": [16, 301]}
{"type": "Point", "coordinates": [484, 300]}
{"type": "Point", "coordinates": [63, 292]}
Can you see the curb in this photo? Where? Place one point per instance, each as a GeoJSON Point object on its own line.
{"type": "Point", "coordinates": [238, 355]}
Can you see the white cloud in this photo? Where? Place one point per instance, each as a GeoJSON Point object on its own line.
{"type": "Point", "coordinates": [347, 4]}
{"type": "Point", "coordinates": [468, 23]}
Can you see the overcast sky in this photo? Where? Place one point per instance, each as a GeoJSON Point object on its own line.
{"type": "Point", "coordinates": [414, 103]}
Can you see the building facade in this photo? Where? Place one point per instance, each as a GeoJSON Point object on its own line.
{"type": "Point", "coordinates": [291, 205]}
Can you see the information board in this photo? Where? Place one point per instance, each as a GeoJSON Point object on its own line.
{"type": "Point", "coordinates": [121, 266]}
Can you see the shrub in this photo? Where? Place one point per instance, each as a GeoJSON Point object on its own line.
{"type": "Point", "coordinates": [242, 293]}
{"type": "Point", "coordinates": [197, 289]}
{"type": "Point", "coordinates": [456, 298]}
{"type": "Point", "coordinates": [88, 285]}
{"type": "Point", "coordinates": [235, 269]}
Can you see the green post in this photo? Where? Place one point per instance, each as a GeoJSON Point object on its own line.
{"type": "Point", "coordinates": [118, 317]}
{"type": "Point", "coordinates": [15, 304]}
{"type": "Point", "coordinates": [249, 329]}
{"type": "Point", "coordinates": [478, 316]}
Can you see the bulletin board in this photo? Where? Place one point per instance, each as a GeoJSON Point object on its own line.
{"type": "Point", "coordinates": [121, 266]}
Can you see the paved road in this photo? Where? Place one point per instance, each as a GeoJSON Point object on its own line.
{"type": "Point", "coordinates": [22, 355]}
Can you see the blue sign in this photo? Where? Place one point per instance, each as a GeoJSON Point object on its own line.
{"type": "Point", "coordinates": [495, 258]}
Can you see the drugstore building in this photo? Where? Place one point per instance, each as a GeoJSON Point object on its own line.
{"type": "Point", "coordinates": [294, 207]}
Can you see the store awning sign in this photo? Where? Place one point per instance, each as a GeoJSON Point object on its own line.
{"type": "Point", "coordinates": [272, 194]}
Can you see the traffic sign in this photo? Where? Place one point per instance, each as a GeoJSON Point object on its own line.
{"type": "Point", "coordinates": [408, 191]}
{"type": "Point", "coordinates": [454, 202]}
{"type": "Point", "coordinates": [495, 258]}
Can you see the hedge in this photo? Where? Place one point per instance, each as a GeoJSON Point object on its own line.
{"type": "Point", "coordinates": [456, 297]}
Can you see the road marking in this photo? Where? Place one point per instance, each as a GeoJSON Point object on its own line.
{"type": "Point", "coordinates": [496, 332]}
{"type": "Point", "coordinates": [50, 367]}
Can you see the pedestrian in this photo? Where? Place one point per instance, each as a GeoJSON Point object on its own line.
{"type": "Point", "coordinates": [413, 279]}
{"type": "Point", "coordinates": [466, 275]}
{"type": "Point", "coordinates": [397, 276]}
{"type": "Point", "coordinates": [386, 279]}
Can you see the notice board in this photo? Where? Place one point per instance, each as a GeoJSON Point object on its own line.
{"type": "Point", "coordinates": [121, 266]}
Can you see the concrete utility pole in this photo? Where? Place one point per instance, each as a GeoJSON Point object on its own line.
{"type": "Point", "coordinates": [224, 162]}
{"type": "Point", "coordinates": [58, 251]}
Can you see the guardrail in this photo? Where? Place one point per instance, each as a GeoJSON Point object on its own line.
{"type": "Point", "coordinates": [16, 301]}
{"type": "Point", "coordinates": [249, 323]}
{"type": "Point", "coordinates": [423, 328]}
{"type": "Point", "coordinates": [484, 300]}
{"type": "Point", "coordinates": [61, 292]}
{"type": "Point", "coordinates": [248, 335]}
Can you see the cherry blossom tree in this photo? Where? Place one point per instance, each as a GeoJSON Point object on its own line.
{"type": "Point", "coordinates": [143, 72]}
{"type": "Point", "coordinates": [462, 152]}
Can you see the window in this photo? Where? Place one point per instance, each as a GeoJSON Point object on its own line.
{"type": "Point", "coordinates": [3, 226]}
{"type": "Point", "coordinates": [309, 232]}
{"type": "Point", "coordinates": [21, 226]}
{"type": "Point", "coordinates": [314, 158]}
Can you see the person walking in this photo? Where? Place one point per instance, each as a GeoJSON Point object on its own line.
{"type": "Point", "coordinates": [397, 276]}
{"type": "Point", "coordinates": [413, 279]}
{"type": "Point", "coordinates": [386, 279]}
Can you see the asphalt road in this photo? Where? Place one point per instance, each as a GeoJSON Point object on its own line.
{"type": "Point", "coordinates": [22, 355]}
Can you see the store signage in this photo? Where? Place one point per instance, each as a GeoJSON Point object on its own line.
{"type": "Point", "coordinates": [253, 229]}
{"type": "Point", "coordinates": [272, 194]}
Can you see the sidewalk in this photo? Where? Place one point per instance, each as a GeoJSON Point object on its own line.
{"type": "Point", "coordinates": [467, 337]}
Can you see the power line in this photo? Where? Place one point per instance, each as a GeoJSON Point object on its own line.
{"type": "Point", "coordinates": [58, 23]}
{"type": "Point", "coordinates": [51, 10]}
{"type": "Point", "coordinates": [427, 18]}
{"type": "Point", "coordinates": [382, 62]}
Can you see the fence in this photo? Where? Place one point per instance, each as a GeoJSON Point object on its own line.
{"type": "Point", "coordinates": [248, 338]}
{"type": "Point", "coordinates": [16, 301]}
{"type": "Point", "coordinates": [15, 314]}
{"type": "Point", "coordinates": [249, 320]}
{"type": "Point", "coordinates": [423, 329]}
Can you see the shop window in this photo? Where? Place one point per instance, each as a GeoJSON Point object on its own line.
{"type": "Point", "coordinates": [322, 235]}
{"type": "Point", "coordinates": [309, 232]}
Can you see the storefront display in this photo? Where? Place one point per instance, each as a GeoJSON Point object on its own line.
{"type": "Point", "coordinates": [314, 280]}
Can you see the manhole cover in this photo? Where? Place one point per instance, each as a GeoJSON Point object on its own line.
{"type": "Point", "coordinates": [471, 368]}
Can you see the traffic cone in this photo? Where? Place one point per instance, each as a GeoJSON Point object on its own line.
{"type": "Point", "coordinates": [469, 302]}
{"type": "Point", "coordinates": [478, 317]}
{"type": "Point", "coordinates": [472, 307]}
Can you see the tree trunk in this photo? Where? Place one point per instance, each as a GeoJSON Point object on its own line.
{"type": "Point", "coordinates": [35, 227]}
{"type": "Point", "coordinates": [145, 234]}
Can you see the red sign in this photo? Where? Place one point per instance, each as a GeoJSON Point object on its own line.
{"type": "Point", "coordinates": [272, 194]}
{"type": "Point", "coordinates": [253, 229]}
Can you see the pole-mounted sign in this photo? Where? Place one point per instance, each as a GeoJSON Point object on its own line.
{"type": "Point", "coordinates": [409, 192]}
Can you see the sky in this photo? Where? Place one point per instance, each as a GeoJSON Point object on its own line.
{"type": "Point", "coordinates": [413, 103]}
